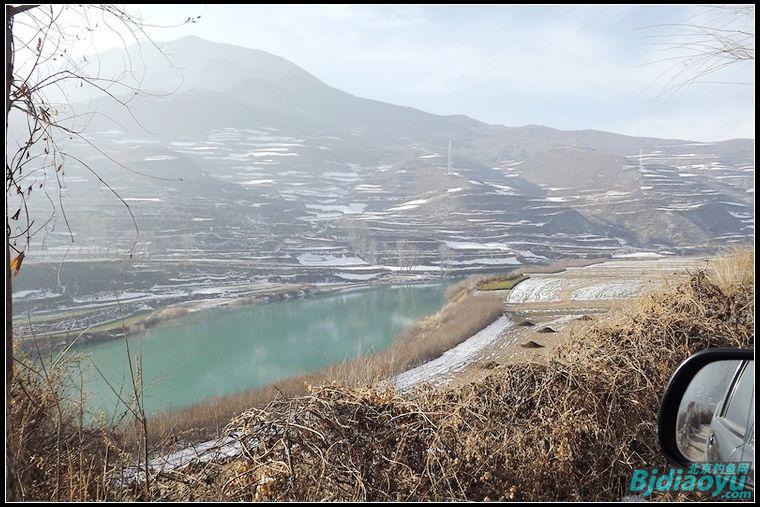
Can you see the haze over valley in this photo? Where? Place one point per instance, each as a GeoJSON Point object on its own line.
{"type": "Point", "coordinates": [243, 172]}
{"type": "Point", "coordinates": [379, 253]}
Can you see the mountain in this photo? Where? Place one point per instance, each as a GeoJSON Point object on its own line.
{"type": "Point", "coordinates": [266, 150]}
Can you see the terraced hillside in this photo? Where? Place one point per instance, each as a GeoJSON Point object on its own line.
{"type": "Point", "coordinates": [265, 175]}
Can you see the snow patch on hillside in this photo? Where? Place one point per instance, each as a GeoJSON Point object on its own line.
{"type": "Point", "coordinates": [310, 259]}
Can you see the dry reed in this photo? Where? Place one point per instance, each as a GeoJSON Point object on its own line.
{"type": "Point", "coordinates": [734, 270]}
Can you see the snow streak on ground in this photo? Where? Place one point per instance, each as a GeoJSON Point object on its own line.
{"type": "Point", "coordinates": [207, 451]}
{"type": "Point", "coordinates": [455, 359]}
{"type": "Point", "coordinates": [310, 259]}
{"type": "Point", "coordinates": [638, 255]}
{"type": "Point", "coordinates": [211, 450]}
{"type": "Point", "coordinates": [561, 321]}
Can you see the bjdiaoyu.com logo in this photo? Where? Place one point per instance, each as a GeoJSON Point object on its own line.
{"type": "Point", "coordinates": [721, 480]}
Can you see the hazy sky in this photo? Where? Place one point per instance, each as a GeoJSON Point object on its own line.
{"type": "Point", "coordinates": [565, 67]}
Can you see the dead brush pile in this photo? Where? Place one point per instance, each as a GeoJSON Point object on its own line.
{"type": "Point", "coordinates": [569, 429]}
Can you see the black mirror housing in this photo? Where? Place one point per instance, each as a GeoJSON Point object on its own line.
{"type": "Point", "coordinates": [674, 392]}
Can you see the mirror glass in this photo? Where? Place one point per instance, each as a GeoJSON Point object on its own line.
{"type": "Point", "coordinates": [716, 416]}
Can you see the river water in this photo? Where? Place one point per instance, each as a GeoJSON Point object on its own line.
{"type": "Point", "coordinates": [222, 351]}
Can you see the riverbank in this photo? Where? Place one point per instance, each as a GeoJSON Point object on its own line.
{"type": "Point", "coordinates": [547, 307]}
{"type": "Point", "coordinates": [464, 314]}
{"type": "Point", "coordinates": [172, 315]}
{"type": "Point", "coordinates": [114, 316]}
{"type": "Point", "coordinates": [141, 321]}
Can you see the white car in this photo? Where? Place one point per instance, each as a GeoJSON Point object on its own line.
{"type": "Point", "coordinates": [731, 437]}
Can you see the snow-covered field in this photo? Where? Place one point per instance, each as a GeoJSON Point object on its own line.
{"type": "Point", "coordinates": [609, 290]}
{"type": "Point", "coordinates": [536, 289]}
{"type": "Point", "coordinates": [610, 280]}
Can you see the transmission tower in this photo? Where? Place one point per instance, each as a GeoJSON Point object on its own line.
{"type": "Point", "coordinates": [450, 166]}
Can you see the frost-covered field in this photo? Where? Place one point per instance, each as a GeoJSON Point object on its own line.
{"type": "Point", "coordinates": [621, 289]}
{"type": "Point", "coordinates": [610, 280]}
{"type": "Point", "coordinates": [536, 289]}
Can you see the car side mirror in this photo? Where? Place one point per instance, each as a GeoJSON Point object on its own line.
{"type": "Point", "coordinates": [707, 413]}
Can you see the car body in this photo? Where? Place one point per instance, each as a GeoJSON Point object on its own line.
{"type": "Point", "coordinates": [731, 436]}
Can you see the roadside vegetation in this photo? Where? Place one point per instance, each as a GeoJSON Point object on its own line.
{"type": "Point", "coordinates": [570, 428]}
{"type": "Point", "coordinates": [52, 453]}
{"type": "Point", "coordinates": [731, 272]}
{"type": "Point", "coordinates": [502, 282]}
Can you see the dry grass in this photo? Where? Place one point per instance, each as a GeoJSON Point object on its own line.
{"type": "Point", "coordinates": [464, 315]}
{"type": "Point", "coordinates": [734, 271]}
{"type": "Point", "coordinates": [570, 429]}
{"type": "Point", "coordinates": [53, 454]}
{"type": "Point", "coordinates": [502, 282]}
{"type": "Point", "coordinates": [458, 289]}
